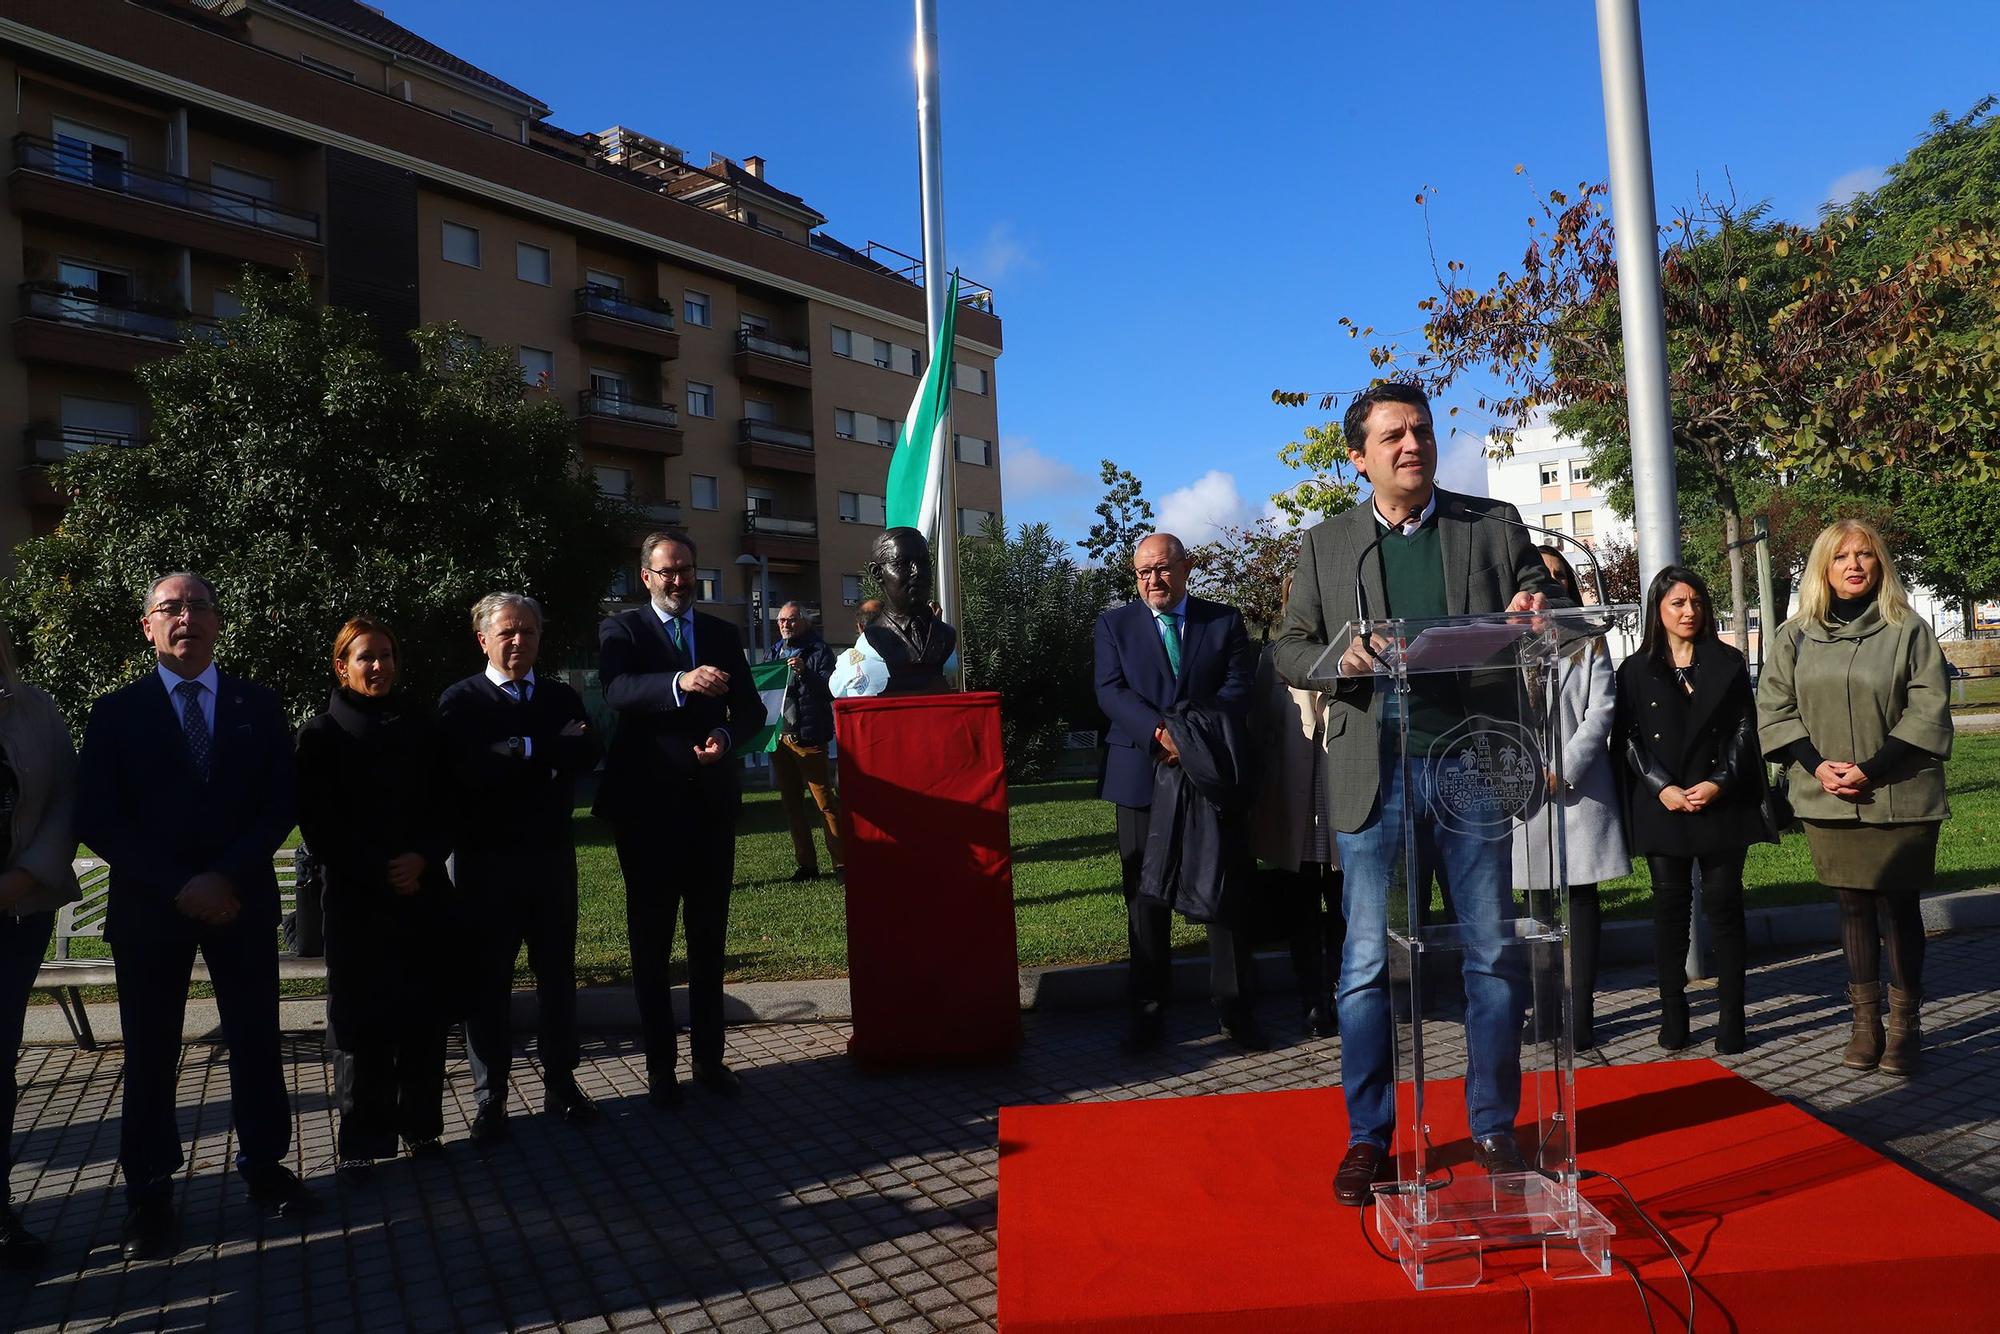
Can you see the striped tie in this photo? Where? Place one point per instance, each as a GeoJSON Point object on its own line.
{"type": "Point", "coordinates": [200, 743]}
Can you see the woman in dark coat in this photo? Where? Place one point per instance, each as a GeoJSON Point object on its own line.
{"type": "Point", "coordinates": [370, 790]}
{"type": "Point", "coordinates": [1686, 731]}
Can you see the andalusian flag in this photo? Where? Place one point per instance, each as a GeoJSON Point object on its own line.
{"type": "Point", "coordinates": [770, 679]}
{"type": "Point", "coordinates": [916, 472]}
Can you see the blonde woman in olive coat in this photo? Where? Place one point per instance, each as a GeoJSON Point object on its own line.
{"type": "Point", "coordinates": [1854, 701]}
{"type": "Point", "coordinates": [37, 844]}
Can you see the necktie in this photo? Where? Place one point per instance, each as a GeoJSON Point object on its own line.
{"type": "Point", "coordinates": [674, 633]}
{"type": "Point", "coordinates": [1171, 633]}
{"type": "Point", "coordinates": [519, 690]}
{"type": "Point", "coordinates": [195, 726]}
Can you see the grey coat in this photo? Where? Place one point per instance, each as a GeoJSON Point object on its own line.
{"type": "Point", "coordinates": [36, 740]}
{"type": "Point", "coordinates": [1593, 832]}
{"type": "Point", "coordinates": [1486, 563]}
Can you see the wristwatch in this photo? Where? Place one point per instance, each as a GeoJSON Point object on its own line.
{"type": "Point", "coordinates": [516, 747]}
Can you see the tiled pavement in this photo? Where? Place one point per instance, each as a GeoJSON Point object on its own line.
{"type": "Point", "coordinates": [822, 1199]}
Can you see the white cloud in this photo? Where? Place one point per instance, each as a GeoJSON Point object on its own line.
{"type": "Point", "coordinates": [1196, 513]}
{"type": "Point", "coordinates": [1462, 464]}
{"type": "Point", "coordinates": [1026, 472]}
{"type": "Point", "coordinates": [1853, 183]}
{"type": "Point", "coordinates": [1000, 253]}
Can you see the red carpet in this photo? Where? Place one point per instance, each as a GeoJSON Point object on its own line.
{"type": "Point", "coordinates": [1217, 1213]}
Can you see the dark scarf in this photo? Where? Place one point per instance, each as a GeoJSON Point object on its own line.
{"type": "Point", "coordinates": [1845, 611]}
{"type": "Point", "coordinates": [363, 717]}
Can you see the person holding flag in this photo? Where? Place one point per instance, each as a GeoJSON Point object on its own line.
{"type": "Point", "coordinates": [803, 713]}
{"type": "Point", "coordinates": [685, 699]}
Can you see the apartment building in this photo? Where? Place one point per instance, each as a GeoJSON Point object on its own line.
{"type": "Point", "coordinates": [1547, 478]}
{"type": "Point", "coordinates": [732, 369]}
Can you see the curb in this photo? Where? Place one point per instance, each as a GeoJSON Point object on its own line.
{"type": "Point", "coordinates": [1078, 987]}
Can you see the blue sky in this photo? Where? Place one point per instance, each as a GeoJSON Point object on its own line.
{"type": "Point", "coordinates": [1174, 202]}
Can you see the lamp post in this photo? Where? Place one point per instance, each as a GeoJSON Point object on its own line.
{"type": "Point", "coordinates": [760, 630]}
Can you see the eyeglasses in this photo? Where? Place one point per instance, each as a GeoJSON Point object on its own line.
{"type": "Point", "coordinates": [173, 608]}
{"type": "Point", "coordinates": [672, 571]}
{"type": "Point", "coordinates": [1155, 571]}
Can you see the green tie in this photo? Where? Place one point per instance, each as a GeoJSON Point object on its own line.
{"type": "Point", "coordinates": [1171, 633]}
{"type": "Point", "coordinates": [674, 633]}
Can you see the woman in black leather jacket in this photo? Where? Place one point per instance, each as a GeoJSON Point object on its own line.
{"type": "Point", "coordinates": [1687, 732]}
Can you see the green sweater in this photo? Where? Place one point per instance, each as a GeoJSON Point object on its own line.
{"type": "Point", "coordinates": [1413, 578]}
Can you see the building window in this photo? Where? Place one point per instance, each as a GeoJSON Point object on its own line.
{"type": "Point", "coordinates": [971, 449]}
{"type": "Point", "coordinates": [326, 67]}
{"type": "Point", "coordinates": [1583, 523]}
{"type": "Point", "coordinates": [856, 507]}
{"type": "Point", "coordinates": [624, 586]}
{"type": "Point", "coordinates": [843, 342]}
{"type": "Point", "coordinates": [94, 421]}
{"type": "Point", "coordinates": [972, 379]}
{"type": "Point", "coordinates": [467, 118]}
{"type": "Point", "coordinates": [604, 282]}
{"type": "Point", "coordinates": [759, 411]}
{"type": "Point", "coordinates": [113, 285]}
{"type": "Point", "coordinates": [461, 244]}
{"type": "Point", "coordinates": [227, 305]}
{"type": "Point", "coordinates": [882, 353]}
{"type": "Point", "coordinates": [753, 324]}
{"type": "Point", "coordinates": [694, 308]}
{"type": "Point", "coordinates": [1579, 472]}
{"type": "Point", "coordinates": [86, 154]}
{"type": "Point", "coordinates": [850, 590]}
{"type": "Point", "coordinates": [885, 431]}
{"type": "Point", "coordinates": [701, 399]}
{"type": "Point", "coordinates": [531, 264]}
{"type": "Point", "coordinates": [907, 359]}
{"type": "Point", "coordinates": [614, 481]}
{"type": "Point", "coordinates": [843, 423]}
{"type": "Point", "coordinates": [971, 521]}
{"type": "Point", "coordinates": [461, 348]}
{"type": "Point", "coordinates": [703, 493]}
{"type": "Point", "coordinates": [710, 583]}
{"type": "Point", "coordinates": [1551, 474]}
{"type": "Point", "coordinates": [1554, 521]}
{"type": "Point", "coordinates": [257, 191]}
{"type": "Point", "coordinates": [538, 366]}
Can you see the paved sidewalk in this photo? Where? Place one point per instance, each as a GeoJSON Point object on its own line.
{"type": "Point", "coordinates": [822, 1199]}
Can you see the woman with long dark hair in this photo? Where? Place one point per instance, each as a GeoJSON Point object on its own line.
{"type": "Point", "coordinates": [370, 792]}
{"type": "Point", "coordinates": [1593, 842]}
{"type": "Point", "coordinates": [1854, 699]}
{"type": "Point", "coordinates": [1687, 732]}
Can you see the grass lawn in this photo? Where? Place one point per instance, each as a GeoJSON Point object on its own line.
{"type": "Point", "coordinates": [1067, 907]}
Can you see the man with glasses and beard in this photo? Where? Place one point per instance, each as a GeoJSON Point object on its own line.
{"type": "Point", "coordinates": [671, 791]}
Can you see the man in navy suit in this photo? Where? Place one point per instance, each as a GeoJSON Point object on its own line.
{"type": "Point", "coordinates": [185, 789]}
{"type": "Point", "coordinates": [685, 700]}
{"type": "Point", "coordinates": [1167, 648]}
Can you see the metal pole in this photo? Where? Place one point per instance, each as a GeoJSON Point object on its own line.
{"type": "Point", "coordinates": [1769, 616]}
{"type": "Point", "coordinates": [937, 283]}
{"type": "Point", "coordinates": [764, 605]}
{"type": "Point", "coordinates": [1629, 143]}
{"type": "Point", "coordinates": [1630, 146]}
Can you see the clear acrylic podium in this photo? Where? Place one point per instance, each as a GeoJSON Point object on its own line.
{"type": "Point", "coordinates": [1469, 713]}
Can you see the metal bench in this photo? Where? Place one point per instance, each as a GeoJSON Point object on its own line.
{"type": "Point", "coordinates": [64, 977]}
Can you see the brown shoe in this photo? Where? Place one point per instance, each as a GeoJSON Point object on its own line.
{"type": "Point", "coordinates": [1864, 1046]}
{"type": "Point", "coordinates": [1904, 1038]}
{"type": "Point", "coordinates": [1362, 1168]}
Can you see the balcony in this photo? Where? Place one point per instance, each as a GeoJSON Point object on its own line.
{"type": "Point", "coordinates": [661, 513]}
{"type": "Point", "coordinates": [762, 444]}
{"type": "Point", "coordinates": [616, 421]}
{"type": "Point", "coordinates": [73, 326]}
{"type": "Point", "coordinates": [48, 443]}
{"type": "Point", "coordinates": [761, 357]}
{"type": "Point", "coordinates": [780, 538]}
{"type": "Point", "coordinates": [609, 319]}
{"type": "Point", "coordinates": [69, 182]}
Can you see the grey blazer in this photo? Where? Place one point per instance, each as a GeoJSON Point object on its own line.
{"type": "Point", "coordinates": [1486, 563]}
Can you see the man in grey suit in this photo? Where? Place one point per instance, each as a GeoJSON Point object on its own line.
{"type": "Point", "coordinates": [1439, 555]}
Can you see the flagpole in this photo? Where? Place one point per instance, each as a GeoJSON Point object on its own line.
{"type": "Point", "coordinates": [930, 162]}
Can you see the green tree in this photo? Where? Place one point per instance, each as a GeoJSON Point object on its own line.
{"type": "Point", "coordinates": [1246, 567]}
{"type": "Point", "coordinates": [1028, 626]}
{"type": "Point", "coordinates": [311, 482]}
{"type": "Point", "coordinates": [1947, 538]}
{"type": "Point", "coordinates": [1124, 518]}
{"type": "Point", "coordinates": [1327, 488]}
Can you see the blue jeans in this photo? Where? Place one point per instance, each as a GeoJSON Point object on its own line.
{"type": "Point", "coordinates": [23, 942]}
{"type": "Point", "coordinates": [1477, 875]}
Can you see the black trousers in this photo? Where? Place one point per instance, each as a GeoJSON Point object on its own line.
{"type": "Point", "coordinates": [540, 912]}
{"type": "Point", "coordinates": [690, 877]}
{"type": "Point", "coordinates": [153, 972]}
{"type": "Point", "coordinates": [1721, 904]}
{"type": "Point", "coordinates": [1149, 930]}
{"type": "Point", "coordinates": [23, 941]}
{"type": "Point", "coordinates": [386, 1025]}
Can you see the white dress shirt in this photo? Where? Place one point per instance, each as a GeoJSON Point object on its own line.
{"type": "Point", "coordinates": [1415, 521]}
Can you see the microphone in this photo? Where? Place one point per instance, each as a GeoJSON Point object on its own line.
{"type": "Point", "coordinates": [1361, 616]}
{"type": "Point", "coordinates": [1463, 510]}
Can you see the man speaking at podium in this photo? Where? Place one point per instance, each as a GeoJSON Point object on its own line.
{"type": "Point", "coordinates": [1419, 553]}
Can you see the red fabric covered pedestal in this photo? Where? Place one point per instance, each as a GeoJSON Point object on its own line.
{"type": "Point", "coordinates": [930, 879]}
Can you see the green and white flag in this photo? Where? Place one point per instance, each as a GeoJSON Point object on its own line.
{"type": "Point", "coordinates": [916, 472]}
{"type": "Point", "coordinates": [770, 679]}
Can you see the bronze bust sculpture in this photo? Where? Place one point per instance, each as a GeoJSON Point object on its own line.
{"type": "Point", "coordinates": [912, 641]}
